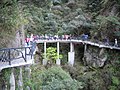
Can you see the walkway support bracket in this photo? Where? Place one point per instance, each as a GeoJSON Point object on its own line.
{"type": "Point", "coordinates": [71, 55]}
{"type": "Point", "coordinates": [12, 80]}
{"type": "Point", "coordinates": [45, 58]}
{"type": "Point", "coordinates": [58, 51]}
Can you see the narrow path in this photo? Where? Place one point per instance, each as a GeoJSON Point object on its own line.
{"type": "Point", "coordinates": [99, 45]}
{"type": "Point", "coordinates": [21, 61]}
{"type": "Point", "coordinates": [17, 62]}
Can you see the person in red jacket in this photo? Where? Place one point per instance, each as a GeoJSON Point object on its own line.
{"type": "Point", "coordinates": [27, 40]}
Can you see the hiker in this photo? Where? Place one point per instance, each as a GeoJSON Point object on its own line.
{"type": "Point", "coordinates": [27, 40]}
{"type": "Point", "coordinates": [33, 47]}
{"type": "Point", "coordinates": [31, 39]}
{"type": "Point", "coordinates": [84, 36]}
{"type": "Point", "coordinates": [106, 41]}
{"type": "Point", "coordinates": [116, 45]}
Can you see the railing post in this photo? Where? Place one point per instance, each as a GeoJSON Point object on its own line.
{"type": "Point", "coordinates": [9, 57]}
{"type": "Point", "coordinates": [31, 49]}
{"type": "Point", "coordinates": [25, 54]}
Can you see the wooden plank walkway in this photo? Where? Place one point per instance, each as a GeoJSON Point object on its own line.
{"type": "Point", "coordinates": [79, 41]}
{"type": "Point", "coordinates": [17, 62]}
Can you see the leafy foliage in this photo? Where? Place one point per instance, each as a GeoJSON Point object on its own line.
{"type": "Point", "coordinates": [55, 18]}
{"type": "Point", "coordinates": [51, 54]}
{"type": "Point", "coordinates": [11, 19]}
{"type": "Point", "coordinates": [53, 79]}
{"type": "Point", "coordinates": [64, 17]}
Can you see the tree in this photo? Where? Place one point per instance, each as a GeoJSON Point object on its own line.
{"type": "Point", "coordinates": [54, 78]}
{"type": "Point", "coordinates": [51, 54]}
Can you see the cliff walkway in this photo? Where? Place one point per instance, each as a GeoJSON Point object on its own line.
{"type": "Point", "coordinates": [111, 45]}
{"type": "Point", "coordinates": [72, 42]}
{"type": "Point", "coordinates": [14, 57]}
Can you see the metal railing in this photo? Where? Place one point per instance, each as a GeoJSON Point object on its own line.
{"type": "Point", "coordinates": [80, 38]}
{"type": "Point", "coordinates": [9, 54]}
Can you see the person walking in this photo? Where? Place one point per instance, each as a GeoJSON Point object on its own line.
{"type": "Point", "coordinates": [116, 45]}
{"type": "Point", "coordinates": [106, 41]}
{"type": "Point", "coordinates": [31, 39]}
{"type": "Point", "coordinates": [27, 40]}
{"type": "Point", "coordinates": [84, 37]}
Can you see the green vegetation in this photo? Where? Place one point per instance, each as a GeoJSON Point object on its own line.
{"type": "Point", "coordinates": [98, 18]}
{"type": "Point", "coordinates": [60, 17]}
{"type": "Point", "coordinates": [54, 78]}
{"type": "Point", "coordinates": [5, 76]}
{"type": "Point", "coordinates": [11, 19]}
{"type": "Point", "coordinates": [51, 54]}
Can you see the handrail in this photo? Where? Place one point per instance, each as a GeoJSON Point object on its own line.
{"type": "Point", "coordinates": [112, 44]}
{"type": "Point", "coordinates": [6, 54]}
{"type": "Point", "coordinates": [14, 48]}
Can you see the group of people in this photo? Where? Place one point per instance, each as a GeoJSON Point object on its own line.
{"type": "Point", "coordinates": [32, 38]}
{"type": "Point", "coordinates": [54, 37]}
{"type": "Point", "coordinates": [63, 37]}
{"type": "Point", "coordinates": [30, 41]}
{"type": "Point", "coordinates": [107, 42]}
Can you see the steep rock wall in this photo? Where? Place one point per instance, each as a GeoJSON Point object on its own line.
{"type": "Point", "coordinates": [95, 57]}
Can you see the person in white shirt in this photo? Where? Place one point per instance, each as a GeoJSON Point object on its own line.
{"type": "Point", "coordinates": [116, 45]}
{"type": "Point", "coordinates": [31, 39]}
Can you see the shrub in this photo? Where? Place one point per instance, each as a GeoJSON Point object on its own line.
{"type": "Point", "coordinates": [54, 78]}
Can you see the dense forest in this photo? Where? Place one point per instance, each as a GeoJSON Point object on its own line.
{"type": "Point", "coordinates": [100, 19]}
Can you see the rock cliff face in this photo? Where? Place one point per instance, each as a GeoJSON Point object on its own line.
{"type": "Point", "coordinates": [19, 39]}
{"type": "Point", "coordinates": [95, 57]}
{"type": "Point", "coordinates": [13, 39]}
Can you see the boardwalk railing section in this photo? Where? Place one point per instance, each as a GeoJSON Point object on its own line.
{"type": "Point", "coordinates": [82, 39]}
{"type": "Point", "coordinates": [9, 54]}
